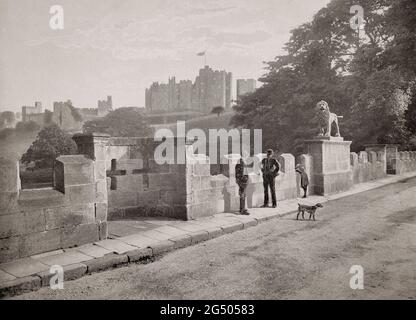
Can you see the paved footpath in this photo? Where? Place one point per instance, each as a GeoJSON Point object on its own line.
{"type": "Point", "coordinates": [284, 253]}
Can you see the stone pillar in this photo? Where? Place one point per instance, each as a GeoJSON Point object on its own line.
{"type": "Point", "coordinates": [380, 149]}
{"type": "Point", "coordinates": [331, 165]}
{"type": "Point", "coordinates": [392, 158]}
{"type": "Point", "coordinates": [9, 185]}
{"type": "Point", "coordinates": [95, 147]}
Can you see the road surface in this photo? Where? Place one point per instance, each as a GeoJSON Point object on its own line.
{"type": "Point", "coordinates": [282, 258]}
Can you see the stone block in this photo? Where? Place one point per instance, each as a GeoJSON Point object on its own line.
{"type": "Point", "coordinates": [68, 257]}
{"type": "Point", "coordinates": [115, 245]}
{"type": "Point", "coordinates": [199, 236]}
{"type": "Point", "coordinates": [19, 285]}
{"type": "Point", "coordinates": [61, 217]}
{"type": "Point", "coordinates": [129, 182]}
{"type": "Point", "coordinates": [287, 162]}
{"type": "Point", "coordinates": [78, 235]}
{"type": "Point", "coordinates": [148, 198]}
{"type": "Point", "coordinates": [156, 235]}
{"type": "Point", "coordinates": [9, 249]}
{"type": "Point", "coordinates": [23, 267]}
{"type": "Point", "coordinates": [202, 169]}
{"type": "Point", "coordinates": [129, 165]}
{"type": "Point", "coordinates": [102, 230]}
{"type": "Point", "coordinates": [92, 250]}
{"type": "Point", "coordinates": [372, 156]}
{"type": "Point", "coordinates": [139, 254]}
{"type": "Point", "coordinates": [218, 181]}
{"type": "Point", "coordinates": [162, 247]}
{"type": "Point", "coordinates": [77, 169]}
{"type": "Point", "coordinates": [194, 183]}
{"type": "Point", "coordinates": [232, 227]}
{"type": "Point", "coordinates": [170, 231]}
{"type": "Point", "coordinates": [20, 223]}
{"type": "Point", "coordinates": [101, 194]}
{"type": "Point", "coordinates": [40, 198]}
{"type": "Point", "coordinates": [34, 243]}
{"type": "Point", "coordinates": [71, 272]}
{"type": "Point", "coordinates": [81, 194]}
{"type": "Point", "coordinates": [106, 262]}
{"type": "Point", "coordinates": [182, 241]}
{"type": "Point", "coordinates": [172, 197]}
{"type": "Point", "coordinates": [100, 169]}
{"type": "Point", "coordinates": [206, 182]}
{"type": "Point", "coordinates": [117, 198]}
{"type": "Point", "coordinates": [354, 159]}
{"type": "Point", "coordinates": [8, 202]}
{"type": "Point", "coordinates": [138, 240]}
{"type": "Point", "coordinates": [101, 211]}
{"type": "Point", "coordinates": [214, 232]}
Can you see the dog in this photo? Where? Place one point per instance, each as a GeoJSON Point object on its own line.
{"type": "Point", "coordinates": [310, 209]}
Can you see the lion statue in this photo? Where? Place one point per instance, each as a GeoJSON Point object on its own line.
{"type": "Point", "coordinates": [325, 119]}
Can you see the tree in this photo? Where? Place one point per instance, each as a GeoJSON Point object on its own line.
{"type": "Point", "coordinates": [218, 110]}
{"type": "Point", "coordinates": [122, 122]}
{"type": "Point", "coordinates": [364, 78]}
{"type": "Point", "coordinates": [51, 142]}
{"type": "Point", "coordinates": [29, 126]}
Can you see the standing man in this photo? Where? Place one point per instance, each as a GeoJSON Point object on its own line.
{"type": "Point", "coordinates": [241, 177]}
{"type": "Point", "coordinates": [270, 168]}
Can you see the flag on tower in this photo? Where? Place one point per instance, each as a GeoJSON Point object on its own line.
{"type": "Point", "coordinates": [201, 53]}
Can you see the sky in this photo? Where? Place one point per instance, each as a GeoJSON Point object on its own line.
{"type": "Point", "coordinates": [119, 47]}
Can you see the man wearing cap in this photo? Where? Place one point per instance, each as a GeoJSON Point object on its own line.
{"type": "Point", "coordinates": [270, 168]}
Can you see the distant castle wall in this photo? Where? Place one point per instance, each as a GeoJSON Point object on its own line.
{"type": "Point", "coordinates": [27, 111]}
{"type": "Point", "coordinates": [66, 116]}
{"type": "Point", "coordinates": [211, 88]}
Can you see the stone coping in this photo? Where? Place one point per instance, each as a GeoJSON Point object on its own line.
{"type": "Point", "coordinates": [32, 273]}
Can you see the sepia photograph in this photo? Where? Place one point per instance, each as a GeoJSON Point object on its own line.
{"type": "Point", "coordinates": [207, 154]}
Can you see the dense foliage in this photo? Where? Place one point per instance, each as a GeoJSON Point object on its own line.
{"type": "Point", "coordinates": [51, 142]}
{"type": "Point", "coordinates": [122, 122]}
{"type": "Point", "coordinates": [366, 76]}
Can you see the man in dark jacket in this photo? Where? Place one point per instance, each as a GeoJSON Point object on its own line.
{"type": "Point", "coordinates": [270, 168]}
{"type": "Point", "coordinates": [241, 177]}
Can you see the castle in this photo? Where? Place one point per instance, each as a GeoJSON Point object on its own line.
{"type": "Point", "coordinates": [65, 115]}
{"type": "Point", "coordinates": [211, 88]}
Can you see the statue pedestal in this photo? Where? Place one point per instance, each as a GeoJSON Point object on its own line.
{"type": "Point", "coordinates": [331, 165]}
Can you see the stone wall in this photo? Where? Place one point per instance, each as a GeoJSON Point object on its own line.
{"type": "Point", "coordinates": [367, 166]}
{"type": "Point", "coordinates": [137, 185]}
{"type": "Point", "coordinates": [405, 162]}
{"type": "Point", "coordinates": [72, 213]}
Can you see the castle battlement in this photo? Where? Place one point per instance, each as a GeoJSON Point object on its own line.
{"type": "Point", "coordinates": [210, 89]}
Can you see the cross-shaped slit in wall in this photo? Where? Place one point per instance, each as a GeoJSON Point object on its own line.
{"type": "Point", "coordinates": [113, 173]}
